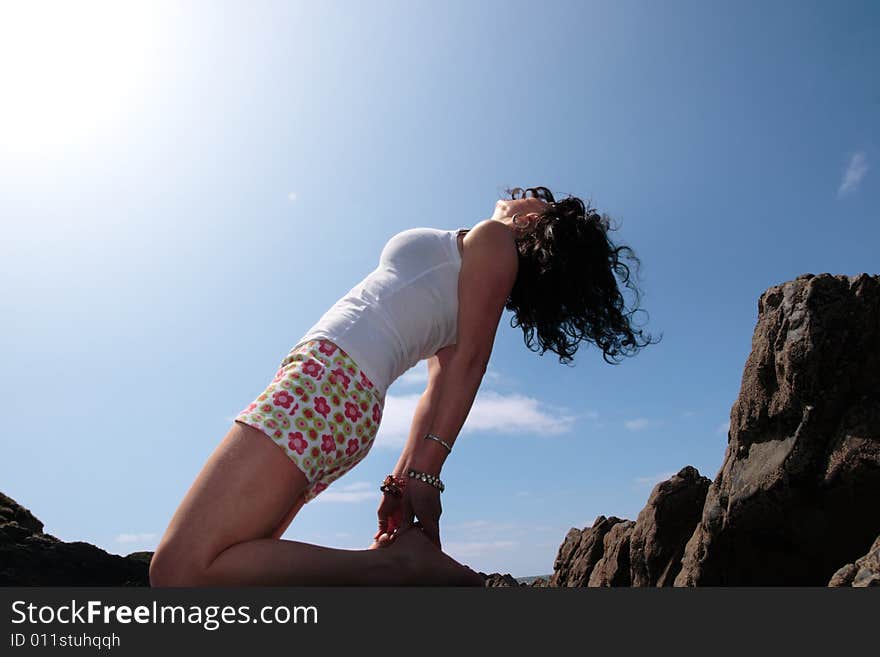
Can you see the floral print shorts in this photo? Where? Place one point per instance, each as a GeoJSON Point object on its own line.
{"type": "Point", "coordinates": [321, 410]}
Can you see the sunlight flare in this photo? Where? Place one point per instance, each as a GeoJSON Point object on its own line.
{"type": "Point", "coordinates": [68, 69]}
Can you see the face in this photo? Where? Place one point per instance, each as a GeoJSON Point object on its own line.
{"type": "Point", "coordinates": [527, 209]}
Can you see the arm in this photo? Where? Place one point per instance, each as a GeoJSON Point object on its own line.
{"type": "Point", "coordinates": [456, 391]}
{"type": "Point", "coordinates": [390, 507]}
{"type": "Point", "coordinates": [485, 282]}
{"type": "Point", "coordinates": [486, 279]}
{"type": "Point", "coordinates": [442, 368]}
{"type": "Point", "coordinates": [421, 421]}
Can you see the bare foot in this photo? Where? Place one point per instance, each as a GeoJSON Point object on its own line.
{"type": "Point", "coordinates": [383, 541]}
{"type": "Point", "coordinates": [429, 565]}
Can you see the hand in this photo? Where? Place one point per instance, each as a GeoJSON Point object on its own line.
{"type": "Point", "coordinates": [422, 500]}
{"type": "Point", "coordinates": [390, 513]}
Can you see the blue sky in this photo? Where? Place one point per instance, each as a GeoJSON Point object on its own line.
{"type": "Point", "coordinates": [185, 188]}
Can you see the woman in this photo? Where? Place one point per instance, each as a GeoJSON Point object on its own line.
{"type": "Point", "coordinates": [436, 295]}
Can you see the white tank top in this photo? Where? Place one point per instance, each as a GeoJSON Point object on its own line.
{"type": "Point", "coordinates": [404, 311]}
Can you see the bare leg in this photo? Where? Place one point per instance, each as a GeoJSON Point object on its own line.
{"type": "Point", "coordinates": [223, 531]}
{"type": "Point", "coordinates": [279, 562]}
{"type": "Point", "coordinates": [410, 560]}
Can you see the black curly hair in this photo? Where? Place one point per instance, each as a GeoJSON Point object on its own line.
{"type": "Point", "coordinates": [565, 288]}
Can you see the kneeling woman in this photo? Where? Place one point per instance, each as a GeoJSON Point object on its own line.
{"type": "Point", "coordinates": [436, 295]}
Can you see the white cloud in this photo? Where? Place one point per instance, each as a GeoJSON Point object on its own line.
{"type": "Point", "coordinates": [492, 376]}
{"type": "Point", "coordinates": [418, 375]}
{"type": "Point", "coordinates": [516, 412]}
{"type": "Point", "coordinates": [688, 414]}
{"type": "Point", "coordinates": [135, 538]}
{"type": "Point", "coordinates": [491, 411]}
{"type": "Point", "coordinates": [397, 416]}
{"type": "Point", "coordinates": [637, 424]}
{"type": "Point", "coordinates": [291, 196]}
{"type": "Point", "coordinates": [353, 493]}
{"type": "Point", "coordinates": [855, 171]}
{"type": "Point", "coordinates": [653, 479]}
{"type": "Point", "coordinates": [723, 428]}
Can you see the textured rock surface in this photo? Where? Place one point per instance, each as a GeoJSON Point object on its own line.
{"type": "Point", "coordinates": [647, 552]}
{"type": "Point", "coordinates": [612, 569]}
{"type": "Point", "coordinates": [797, 494]}
{"type": "Point", "coordinates": [580, 552]}
{"type": "Point", "coordinates": [497, 579]}
{"type": "Point", "coordinates": [664, 526]}
{"type": "Point", "coordinates": [30, 557]}
{"type": "Point", "coordinates": [864, 572]}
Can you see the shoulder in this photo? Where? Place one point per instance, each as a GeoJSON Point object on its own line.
{"type": "Point", "coordinates": [490, 237]}
{"type": "Point", "coordinates": [491, 227]}
{"type": "Point", "coordinates": [491, 245]}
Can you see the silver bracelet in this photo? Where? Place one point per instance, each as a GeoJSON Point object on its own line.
{"type": "Point", "coordinates": [434, 480]}
{"type": "Point", "coordinates": [432, 436]}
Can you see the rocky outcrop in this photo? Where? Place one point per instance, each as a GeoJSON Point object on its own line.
{"type": "Point", "coordinates": [30, 557]}
{"type": "Point", "coordinates": [864, 572]}
{"type": "Point", "coordinates": [579, 553]}
{"type": "Point", "coordinates": [798, 492]}
{"type": "Point", "coordinates": [509, 581]}
{"type": "Point", "coordinates": [664, 526]}
{"type": "Point", "coordinates": [612, 569]}
{"type": "Point", "coordinates": [499, 580]}
{"type": "Point", "coordinates": [645, 552]}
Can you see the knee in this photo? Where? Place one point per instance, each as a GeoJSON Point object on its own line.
{"type": "Point", "coordinates": [170, 569]}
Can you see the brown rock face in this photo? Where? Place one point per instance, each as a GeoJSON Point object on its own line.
{"type": "Point", "coordinates": [864, 572]}
{"type": "Point", "coordinates": [497, 579]}
{"type": "Point", "coordinates": [613, 568]}
{"type": "Point", "coordinates": [647, 552]}
{"type": "Point", "coordinates": [798, 492]}
{"type": "Point", "coordinates": [580, 552]}
{"type": "Point", "coordinates": [28, 557]}
{"type": "Point", "coordinates": [664, 526]}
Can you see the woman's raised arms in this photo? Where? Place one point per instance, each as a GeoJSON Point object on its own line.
{"type": "Point", "coordinates": [488, 272]}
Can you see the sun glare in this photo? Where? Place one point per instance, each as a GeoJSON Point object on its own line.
{"type": "Point", "coordinates": [70, 70]}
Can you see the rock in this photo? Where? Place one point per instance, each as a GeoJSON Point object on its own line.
{"type": "Point", "coordinates": [798, 492]}
{"type": "Point", "coordinates": [541, 582]}
{"type": "Point", "coordinates": [12, 512]}
{"type": "Point", "coordinates": [144, 557]}
{"type": "Point", "coordinates": [613, 568]}
{"type": "Point", "coordinates": [497, 579]}
{"type": "Point", "coordinates": [30, 557]}
{"type": "Point", "coordinates": [664, 526]}
{"type": "Point", "coordinates": [562, 565]}
{"type": "Point", "coordinates": [864, 572]}
{"type": "Point", "coordinates": [580, 552]}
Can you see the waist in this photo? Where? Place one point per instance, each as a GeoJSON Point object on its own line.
{"type": "Point", "coordinates": [340, 362]}
{"type": "Point", "coordinates": [373, 351]}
